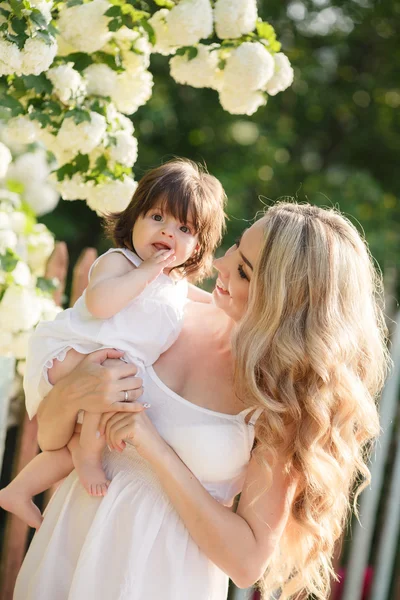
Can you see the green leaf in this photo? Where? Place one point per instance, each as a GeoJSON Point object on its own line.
{"type": "Point", "coordinates": [47, 286]}
{"type": "Point", "coordinates": [52, 107]}
{"type": "Point", "coordinates": [80, 59]}
{"type": "Point", "coordinates": [115, 24]}
{"type": "Point", "coordinates": [114, 62]}
{"type": "Point", "coordinates": [41, 117]}
{"type": "Point", "coordinates": [17, 7]}
{"type": "Point", "coordinates": [8, 261]}
{"type": "Point", "coordinates": [79, 115]}
{"type": "Point", "coordinates": [192, 52]}
{"type": "Point", "coordinates": [19, 26]}
{"type": "Point", "coordinates": [165, 3]}
{"type": "Point", "coordinates": [74, 3]}
{"type": "Point", "coordinates": [5, 13]}
{"type": "Point", "coordinates": [14, 105]}
{"type": "Point", "coordinates": [265, 30]}
{"type": "Point", "coordinates": [114, 11]}
{"type": "Point", "coordinates": [101, 163]}
{"type": "Point", "coordinates": [82, 162]}
{"type": "Point", "coordinates": [149, 30]}
{"type": "Point", "coordinates": [66, 172]}
{"type": "Point", "coordinates": [37, 18]}
{"type": "Point", "coordinates": [39, 83]}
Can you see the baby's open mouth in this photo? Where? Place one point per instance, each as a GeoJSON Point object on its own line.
{"type": "Point", "coordinates": [161, 246]}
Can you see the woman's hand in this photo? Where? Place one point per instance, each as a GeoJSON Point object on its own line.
{"type": "Point", "coordinates": [136, 429]}
{"type": "Point", "coordinates": [103, 383]}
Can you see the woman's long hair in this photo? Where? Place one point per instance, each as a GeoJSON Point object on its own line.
{"type": "Point", "coordinates": [311, 350]}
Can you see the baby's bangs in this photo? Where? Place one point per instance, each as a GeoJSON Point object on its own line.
{"type": "Point", "coordinates": [184, 205]}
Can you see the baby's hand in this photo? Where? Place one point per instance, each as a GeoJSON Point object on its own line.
{"type": "Point", "coordinates": [155, 265]}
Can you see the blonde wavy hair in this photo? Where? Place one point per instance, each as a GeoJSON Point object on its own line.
{"type": "Point", "coordinates": [311, 350]}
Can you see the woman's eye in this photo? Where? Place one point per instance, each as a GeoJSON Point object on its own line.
{"type": "Point", "coordinates": [157, 217]}
{"type": "Point", "coordinates": [242, 273]}
{"type": "Point", "coordinates": [185, 229]}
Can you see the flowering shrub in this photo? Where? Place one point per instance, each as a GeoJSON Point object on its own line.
{"type": "Point", "coordinates": [25, 294]}
{"type": "Point", "coordinates": [76, 68]}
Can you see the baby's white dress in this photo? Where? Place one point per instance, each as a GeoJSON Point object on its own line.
{"type": "Point", "coordinates": [144, 329]}
{"type": "Point", "coordinates": [132, 544]}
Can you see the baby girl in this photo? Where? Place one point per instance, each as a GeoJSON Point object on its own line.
{"type": "Point", "coordinates": [134, 302]}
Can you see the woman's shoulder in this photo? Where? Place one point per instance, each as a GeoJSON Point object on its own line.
{"type": "Point", "coordinates": [200, 314]}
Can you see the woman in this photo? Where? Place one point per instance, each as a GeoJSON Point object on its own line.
{"type": "Point", "coordinates": [287, 425]}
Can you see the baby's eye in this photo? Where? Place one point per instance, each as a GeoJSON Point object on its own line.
{"type": "Point", "coordinates": [185, 229]}
{"type": "Point", "coordinates": [242, 274]}
{"type": "Point", "coordinates": [156, 217]}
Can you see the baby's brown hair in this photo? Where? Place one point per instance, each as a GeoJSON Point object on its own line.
{"type": "Point", "coordinates": [182, 187]}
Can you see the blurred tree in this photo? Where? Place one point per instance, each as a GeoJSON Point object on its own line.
{"type": "Point", "coordinates": [333, 138]}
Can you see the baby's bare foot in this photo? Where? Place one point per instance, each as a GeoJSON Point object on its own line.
{"type": "Point", "coordinates": [90, 472]}
{"type": "Point", "coordinates": [12, 499]}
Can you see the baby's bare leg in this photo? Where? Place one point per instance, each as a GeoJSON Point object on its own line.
{"type": "Point", "coordinates": [86, 455]}
{"type": "Point", "coordinates": [62, 368]}
{"type": "Point", "coordinates": [40, 474]}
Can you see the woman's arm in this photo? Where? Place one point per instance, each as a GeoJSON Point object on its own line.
{"type": "Point", "coordinates": [240, 544]}
{"type": "Point", "coordinates": [115, 281]}
{"type": "Point", "coordinates": [93, 386]}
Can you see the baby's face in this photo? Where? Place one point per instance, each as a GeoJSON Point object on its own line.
{"type": "Point", "coordinates": [159, 230]}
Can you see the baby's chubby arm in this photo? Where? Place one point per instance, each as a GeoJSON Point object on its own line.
{"type": "Point", "coordinates": [115, 281]}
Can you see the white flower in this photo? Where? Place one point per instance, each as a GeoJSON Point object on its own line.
{"type": "Point", "coordinates": [44, 6]}
{"type": "Point", "coordinates": [282, 77]}
{"type": "Point", "coordinates": [190, 21]}
{"type": "Point", "coordinates": [67, 82]}
{"type": "Point", "coordinates": [5, 220]}
{"type": "Point", "coordinates": [9, 200]}
{"type": "Point", "coordinates": [18, 221]}
{"type": "Point", "coordinates": [19, 344]}
{"type": "Point", "coordinates": [20, 130]}
{"type": "Point", "coordinates": [8, 239]}
{"type": "Point", "coordinates": [117, 121]}
{"type": "Point", "coordinates": [5, 159]}
{"type": "Point", "coordinates": [37, 56]}
{"type": "Point", "coordinates": [41, 197]}
{"type": "Point", "coordinates": [74, 188]}
{"type": "Point", "coordinates": [20, 309]}
{"type": "Point", "coordinates": [52, 144]}
{"type": "Point", "coordinates": [248, 67]}
{"type": "Point", "coordinates": [125, 149]}
{"type": "Point", "coordinates": [64, 48]}
{"type": "Point", "coordinates": [10, 57]}
{"type": "Point", "coordinates": [164, 42]}
{"type": "Point", "coordinates": [241, 101]}
{"type": "Point", "coordinates": [49, 309]}
{"type": "Point", "coordinates": [22, 274]}
{"type": "Point", "coordinates": [101, 80]}
{"type": "Point", "coordinates": [112, 196]}
{"type": "Point", "coordinates": [28, 167]}
{"type": "Point", "coordinates": [40, 244]}
{"type": "Point", "coordinates": [135, 49]}
{"type": "Point", "coordinates": [132, 91]}
{"type": "Point", "coordinates": [199, 72]}
{"type": "Point", "coordinates": [6, 339]}
{"type": "Point", "coordinates": [84, 26]}
{"type": "Point", "coordinates": [82, 137]}
{"type": "Point", "coordinates": [233, 18]}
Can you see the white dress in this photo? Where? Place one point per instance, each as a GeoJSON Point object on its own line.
{"type": "Point", "coordinates": [132, 544]}
{"type": "Point", "coordinates": [144, 329]}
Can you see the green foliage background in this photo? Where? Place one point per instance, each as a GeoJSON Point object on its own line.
{"type": "Point", "coordinates": [332, 139]}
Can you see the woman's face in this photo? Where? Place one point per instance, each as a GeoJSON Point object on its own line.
{"type": "Point", "coordinates": [235, 271]}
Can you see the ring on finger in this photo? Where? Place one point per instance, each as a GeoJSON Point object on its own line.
{"type": "Point", "coordinates": [126, 396]}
